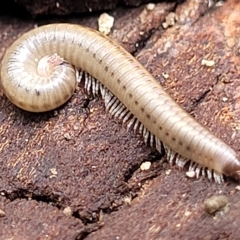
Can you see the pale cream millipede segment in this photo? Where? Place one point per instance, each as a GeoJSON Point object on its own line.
{"type": "Point", "coordinates": [129, 91]}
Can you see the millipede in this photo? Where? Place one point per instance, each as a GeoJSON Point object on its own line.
{"type": "Point", "coordinates": [38, 73]}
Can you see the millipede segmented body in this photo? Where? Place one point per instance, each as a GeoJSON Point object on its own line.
{"type": "Point", "coordinates": [127, 87]}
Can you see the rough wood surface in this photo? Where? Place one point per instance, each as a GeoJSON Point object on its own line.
{"type": "Point", "coordinates": [74, 173]}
